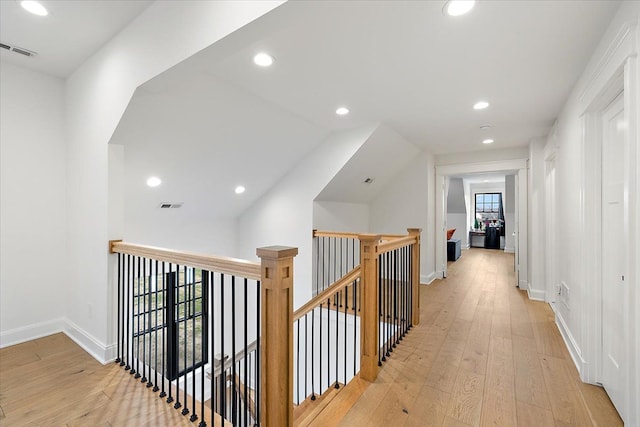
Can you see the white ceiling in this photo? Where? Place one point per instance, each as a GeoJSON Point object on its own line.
{"type": "Point", "coordinates": [216, 120]}
{"type": "Point", "coordinates": [68, 36]}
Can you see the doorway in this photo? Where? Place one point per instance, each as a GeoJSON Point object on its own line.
{"type": "Point", "coordinates": [614, 292]}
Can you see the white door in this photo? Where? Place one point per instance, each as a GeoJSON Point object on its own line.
{"type": "Point", "coordinates": [614, 294]}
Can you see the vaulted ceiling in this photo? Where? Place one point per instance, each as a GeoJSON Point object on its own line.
{"type": "Point", "coordinates": [404, 64]}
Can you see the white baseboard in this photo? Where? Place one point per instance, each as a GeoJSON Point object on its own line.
{"type": "Point", "coordinates": [31, 332]}
{"type": "Point", "coordinates": [102, 353]}
{"type": "Point", "coordinates": [428, 279]}
{"type": "Point", "coordinates": [523, 285]}
{"type": "Point", "coordinates": [509, 250]}
{"type": "Point", "coordinates": [570, 342]}
{"type": "Point", "coordinates": [536, 294]}
{"type": "Point", "coordinates": [98, 350]}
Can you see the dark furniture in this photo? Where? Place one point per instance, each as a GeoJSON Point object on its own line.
{"type": "Point", "coordinates": [492, 238]}
{"type": "Point", "coordinates": [453, 249]}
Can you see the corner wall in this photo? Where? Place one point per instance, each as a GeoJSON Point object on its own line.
{"type": "Point", "coordinates": [409, 202]}
{"type": "Point", "coordinates": [284, 215]}
{"type": "Point", "coordinates": [33, 207]}
{"type": "Point", "coordinates": [97, 95]}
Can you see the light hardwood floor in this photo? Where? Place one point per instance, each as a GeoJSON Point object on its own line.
{"type": "Point", "coordinates": [53, 382]}
{"type": "Point", "coordinates": [483, 355]}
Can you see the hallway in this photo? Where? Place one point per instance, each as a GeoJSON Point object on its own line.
{"type": "Point", "coordinates": [484, 354]}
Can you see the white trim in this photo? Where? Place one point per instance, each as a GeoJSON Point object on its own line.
{"type": "Point", "coordinates": [617, 53]}
{"type": "Point", "coordinates": [428, 279]}
{"type": "Point", "coordinates": [98, 350]}
{"type": "Point", "coordinates": [464, 168]}
{"type": "Point", "coordinates": [524, 285]}
{"type": "Point", "coordinates": [536, 294]}
{"type": "Point", "coordinates": [570, 342]}
{"type": "Point", "coordinates": [510, 250]}
{"type": "Point", "coordinates": [102, 353]}
{"type": "Point", "coordinates": [31, 332]}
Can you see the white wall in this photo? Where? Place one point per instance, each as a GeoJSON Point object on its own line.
{"type": "Point", "coordinates": [97, 95]}
{"type": "Point", "coordinates": [340, 216]}
{"type": "Point", "coordinates": [284, 215]}
{"type": "Point", "coordinates": [457, 211]}
{"type": "Point", "coordinates": [33, 207]}
{"type": "Point", "coordinates": [509, 212]}
{"type": "Point", "coordinates": [536, 231]}
{"type": "Point", "coordinates": [573, 310]}
{"type": "Point", "coordinates": [409, 202]}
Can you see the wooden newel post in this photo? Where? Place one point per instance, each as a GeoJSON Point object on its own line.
{"type": "Point", "coordinates": [415, 276]}
{"type": "Point", "coordinates": [370, 316]}
{"type": "Point", "coordinates": [277, 335]}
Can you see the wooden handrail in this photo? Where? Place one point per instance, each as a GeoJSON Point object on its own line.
{"type": "Point", "coordinates": [337, 286]}
{"type": "Point", "coordinates": [218, 264]}
{"type": "Point", "coordinates": [395, 244]}
{"type": "Point", "coordinates": [318, 233]}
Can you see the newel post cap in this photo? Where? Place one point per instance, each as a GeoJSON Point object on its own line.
{"type": "Point", "coordinates": [277, 252]}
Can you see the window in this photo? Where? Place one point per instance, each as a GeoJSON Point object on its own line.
{"type": "Point", "coordinates": [489, 209]}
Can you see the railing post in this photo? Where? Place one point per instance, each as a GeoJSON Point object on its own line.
{"type": "Point", "coordinates": [370, 316]}
{"type": "Point", "coordinates": [277, 335]}
{"type": "Point", "coordinates": [415, 277]}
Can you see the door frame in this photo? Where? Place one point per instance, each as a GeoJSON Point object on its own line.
{"type": "Point", "coordinates": [517, 166]}
{"type": "Point", "coordinates": [617, 72]}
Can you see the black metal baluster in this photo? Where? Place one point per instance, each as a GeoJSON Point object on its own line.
{"type": "Point", "coordinates": [317, 286]}
{"type": "Point", "coordinates": [144, 322]}
{"type": "Point", "coordinates": [355, 331]}
{"type": "Point", "coordinates": [258, 356]}
{"type": "Point", "coordinates": [213, 348]}
{"type": "Point", "coordinates": [172, 328]}
{"type": "Point", "coordinates": [298, 362]}
{"type": "Point", "coordinates": [234, 397]}
{"type": "Point", "coordinates": [313, 353]}
{"type": "Point", "coordinates": [165, 351]}
{"type": "Point", "coordinates": [185, 320]}
{"type": "Point", "coordinates": [389, 303]}
{"type": "Point", "coordinates": [346, 307]}
{"type": "Point", "coordinates": [204, 342]}
{"type": "Point", "coordinates": [381, 356]}
{"type": "Point", "coordinates": [119, 348]}
{"type": "Point", "coordinates": [223, 382]}
{"type": "Point", "coordinates": [157, 327]}
{"type": "Point", "coordinates": [128, 314]}
{"type": "Point", "coordinates": [396, 325]}
{"type": "Point", "coordinates": [335, 298]}
{"type": "Point", "coordinates": [328, 342]}
{"type": "Point", "coordinates": [246, 344]}
{"type": "Point", "coordinates": [194, 415]}
{"type": "Point", "coordinates": [137, 370]}
{"type": "Point", "coordinates": [306, 355]}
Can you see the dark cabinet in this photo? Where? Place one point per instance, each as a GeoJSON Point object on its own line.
{"type": "Point", "coordinates": [492, 238]}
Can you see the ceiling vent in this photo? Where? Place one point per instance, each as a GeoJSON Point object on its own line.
{"type": "Point", "coordinates": [170, 205]}
{"type": "Point", "coordinates": [19, 50]}
{"type": "Point", "coordinates": [367, 181]}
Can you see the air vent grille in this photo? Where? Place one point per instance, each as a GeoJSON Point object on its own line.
{"type": "Point", "coordinates": [18, 50]}
{"type": "Point", "coordinates": [170, 205]}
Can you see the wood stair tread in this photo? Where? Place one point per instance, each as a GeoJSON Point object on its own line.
{"type": "Point", "coordinates": [336, 409]}
{"type": "Point", "coordinates": [304, 413]}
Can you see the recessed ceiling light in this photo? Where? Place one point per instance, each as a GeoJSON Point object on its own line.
{"type": "Point", "coordinates": [486, 180]}
{"type": "Point", "coordinates": [34, 7]}
{"type": "Point", "coordinates": [240, 189]}
{"type": "Point", "coordinates": [342, 111]}
{"type": "Point", "coordinates": [487, 141]}
{"type": "Point", "coordinates": [263, 59]}
{"type": "Point", "coordinates": [480, 105]}
{"type": "Point", "coordinates": [153, 181]}
{"type": "Point", "coordinates": [485, 127]}
{"type": "Point", "coordinates": [458, 7]}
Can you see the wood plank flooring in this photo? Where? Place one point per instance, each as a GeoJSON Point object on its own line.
{"type": "Point", "coordinates": [53, 382]}
{"type": "Point", "coordinates": [483, 355]}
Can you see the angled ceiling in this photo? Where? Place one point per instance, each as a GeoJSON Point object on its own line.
{"type": "Point", "coordinates": [68, 36]}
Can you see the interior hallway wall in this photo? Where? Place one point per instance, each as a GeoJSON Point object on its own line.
{"type": "Point", "coordinates": [33, 207]}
